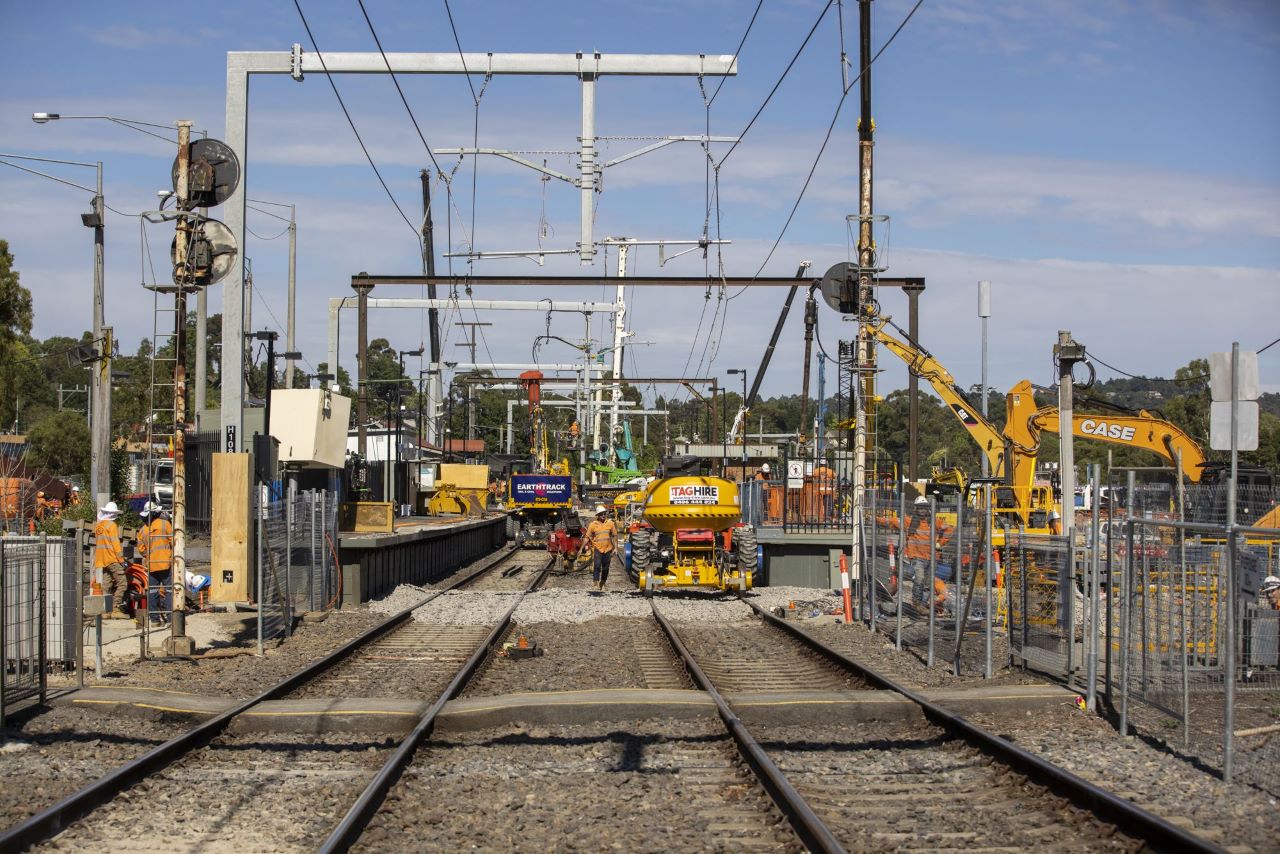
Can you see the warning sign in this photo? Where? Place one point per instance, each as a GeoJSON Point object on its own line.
{"type": "Point", "coordinates": [795, 474]}
{"type": "Point", "coordinates": [694, 494]}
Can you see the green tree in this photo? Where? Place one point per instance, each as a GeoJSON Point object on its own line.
{"type": "Point", "coordinates": [59, 444]}
{"type": "Point", "coordinates": [15, 321]}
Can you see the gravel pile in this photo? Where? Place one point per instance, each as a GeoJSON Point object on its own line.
{"type": "Point", "coordinates": [63, 750]}
{"type": "Point", "coordinates": [404, 596]}
{"type": "Point", "coordinates": [466, 607]}
{"type": "Point", "coordinates": [261, 793]}
{"type": "Point", "coordinates": [575, 656]}
{"type": "Point", "coordinates": [1086, 745]}
{"type": "Point", "coordinates": [655, 786]}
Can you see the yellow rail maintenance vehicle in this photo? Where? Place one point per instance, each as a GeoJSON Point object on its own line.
{"type": "Point", "coordinates": [682, 541]}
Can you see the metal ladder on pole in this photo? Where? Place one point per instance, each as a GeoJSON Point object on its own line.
{"type": "Point", "coordinates": [160, 411]}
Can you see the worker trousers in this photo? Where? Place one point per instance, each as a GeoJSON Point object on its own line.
{"type": "Point", "coordinates": [600, 567]}
{"type": "Point", "coordinates": [160, 595]}
{"type": "Point", "coordinates": [115, 583]}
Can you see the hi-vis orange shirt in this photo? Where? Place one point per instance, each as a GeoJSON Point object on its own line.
{"type": "Point", "coordinates": [106, 545]}
{"type": "Point", "coordinates": [601, 535]}
{"type": "Point", "coordinates": [155, 541]}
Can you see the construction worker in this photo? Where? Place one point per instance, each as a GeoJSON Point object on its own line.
{"type": "Point", "coordinates": [824, 478]}
{"type": "Point", "coordinates": [601, 538]}
{"type": "Point", "coordinates": [155, 544]}
{"type": "Point", "coordinates": [915, 552]}
{"type": "Point", "coordinates": [1270, 592]}
{"type": "Point", "coordinates": [1055, 523]}
{"type": "Point", "coordinates": [108, 558]}
{"type": "Point", "coordinates": [763, 473]}
{"type": "Point", "coordinates": [74, 498]}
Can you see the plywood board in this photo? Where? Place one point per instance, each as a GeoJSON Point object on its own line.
{"type": "Point", "coordinates": [231, 568]}
{"type": "Point", "coordinates": [366, 517]}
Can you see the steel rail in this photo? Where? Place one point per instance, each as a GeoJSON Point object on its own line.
{"type": "Point", "coordinates": [53, 820]}
{"type": "Point", "coordinates": [1128, 816]}
{"type": "Point", "coordinates": [815, 835]}
{"type": "Point", "coordinates": [364, 809]}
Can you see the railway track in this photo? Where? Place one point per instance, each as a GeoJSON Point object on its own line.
{"type": "Point", "coordinates": [940, 783]}
{"type": "Point", "coordinates": [256, 783]}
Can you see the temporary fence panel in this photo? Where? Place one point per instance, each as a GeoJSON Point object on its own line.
{"type": "Point", "coordinates": [295, 558]}
{"type": "Point", "coordinates": [61, 564]}
{"type": "Point", "coordinates": [1045, 607]}
{"type": "Point", "coordinates": [23, 619]}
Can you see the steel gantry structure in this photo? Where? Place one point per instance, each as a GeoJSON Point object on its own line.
{"type": "Point", "coordinates": [296, 63]}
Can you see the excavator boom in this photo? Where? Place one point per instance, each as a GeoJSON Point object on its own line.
{"type": "Point", "coordinates": [1137, 430]}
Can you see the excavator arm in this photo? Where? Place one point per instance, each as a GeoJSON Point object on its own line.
{"type": "Point", "coordinates": [922, 364]}
{"type": "Point", "coordinates": [1134, 430]}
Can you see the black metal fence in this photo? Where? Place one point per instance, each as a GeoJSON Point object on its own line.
{"type": "Point", "coordinates": [814, 496]}
{"type": "Point", "coordinates": [200, 448]}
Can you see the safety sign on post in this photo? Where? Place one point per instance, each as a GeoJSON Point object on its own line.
{"type": "Point", "coordinates": [1246, 401]}
{"type": "Point", "coordinates": [795, 474]}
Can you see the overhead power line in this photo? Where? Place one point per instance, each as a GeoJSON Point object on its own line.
{"type": "Point", "coordinates": [345, 112]}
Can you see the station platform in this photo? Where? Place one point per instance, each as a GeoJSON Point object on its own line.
{"type": "Point", "coordinates": [386, 715]}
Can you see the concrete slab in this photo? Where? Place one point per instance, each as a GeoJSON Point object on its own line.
{"type": "Point", "coordinates": [148, 702]}
{"type": "Point", "coordinates": [378, 715]}
{"type": "Point", "coordinates": [819, 707]}
{"type": "Point", "coordinates": [559, 707]}
{"type": "Point", "coordinates": [325, 715]}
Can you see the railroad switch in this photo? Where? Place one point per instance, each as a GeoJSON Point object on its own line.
{"type": "Point", "coordinates": [521, 647]}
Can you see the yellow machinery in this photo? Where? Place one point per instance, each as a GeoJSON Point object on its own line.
{"type": "Point", "coordinates": [682, 541]}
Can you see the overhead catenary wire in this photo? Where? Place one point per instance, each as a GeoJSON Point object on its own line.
{"type": "Point", "coordinates": [846, 89]}
{"type": "Point", "coordinates": [334, 86]}
{"type": "Point", "coordinates": [373, 32]}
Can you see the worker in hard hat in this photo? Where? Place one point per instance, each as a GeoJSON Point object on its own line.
{"type": "Point", "coordinates": [155, 544]}
{"type": "Point", "coordinates": [1269, 592]}
{"type": "Point", "coordinates": [601, 538]}
{"type": "Point", "coordinates": [763, 473]}
{"type": "Point", "coordinates": [108, 558]}
{"type": "Point", "coordinates": [1055, 523]}
{"type": "Point", "coordinates": [916, 551]}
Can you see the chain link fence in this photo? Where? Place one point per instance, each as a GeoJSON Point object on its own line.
{"type": "Point", "coordinates": [297, 538]}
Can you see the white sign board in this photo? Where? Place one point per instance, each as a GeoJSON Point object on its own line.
{"type": "Point", "coordinates": [694, 494]}
{"type": "Point", "coordinates": [795, 474]}
{"type": "Point", "coordinates": [1246, 376]}
{"type": "Point", "coordinates": [1246, 425]}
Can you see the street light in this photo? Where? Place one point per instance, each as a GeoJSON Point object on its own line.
{"type": "Point", "coordinates": [743, 371]}
{"type": "Point", "coordinates": [99, 378]}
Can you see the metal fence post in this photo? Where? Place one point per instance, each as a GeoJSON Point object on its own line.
{"type": "Point", "coordinates": [986, 572]}
{"type": "Point", "coordinates": [78, 546]}
{"type": "Point", "coordinates": [933, 570]}
{"type": "Point", "coordinates": [287, 605]}
{"type": "Point", "coordinates": [1091, 589]}
{"type": "Point", "coordinates": [957, 574]}
{"type": "Point", "coordinates": [1126, 626]}
{"type": "Point", "coordinates": [874, 597]}
{"type": "Point", "coordinates": [42, 608]}
{"type": "Point", "coordinates": [4, 634]}
{"type": "Point", "coordinates": [902, 563]}
{"type": "Point", "coordinates": [260, 519]}
{"type": "Point", "coordinates": [1228, 735]}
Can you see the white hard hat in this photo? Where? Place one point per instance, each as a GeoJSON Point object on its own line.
{"type": "Point", "coordinates": [764, 467]}
{"type": "Point", "coordinates": [600, 509]}
{"type": "Point", "coordinates": [920, 499]}
{"type": "Point", "coordinates": [110, 507]}
{"type": "Point", "coordinates": [1269, 583]}
{"type": "Point", "coordinates": [151, 508]}
{"type": "Point", "coordinates": [1054, 514]}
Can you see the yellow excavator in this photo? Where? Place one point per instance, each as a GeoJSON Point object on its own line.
{"type": "Point", "coordinates": [1011, 454]}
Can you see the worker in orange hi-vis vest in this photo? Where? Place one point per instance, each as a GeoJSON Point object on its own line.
{"type": "Point", "coordinates": [108, 558]}
{"type": "Point", "coordinates": [916, 552]}
{"type": "Point", "coordinates": [155, 544]}
{"type": "Point", "coordinates": [601, 538]}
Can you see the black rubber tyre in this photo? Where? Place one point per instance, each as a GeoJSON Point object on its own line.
{"type": "Point", "coordinates": [641, 549]}
{"type": "Point", "coordinates": [744, 544]}
{"type": "Point", "coordinates": [513, 527]}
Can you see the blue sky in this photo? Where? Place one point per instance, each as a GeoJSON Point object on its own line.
{"type": "Point", "coordinates": [1112, 167]}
